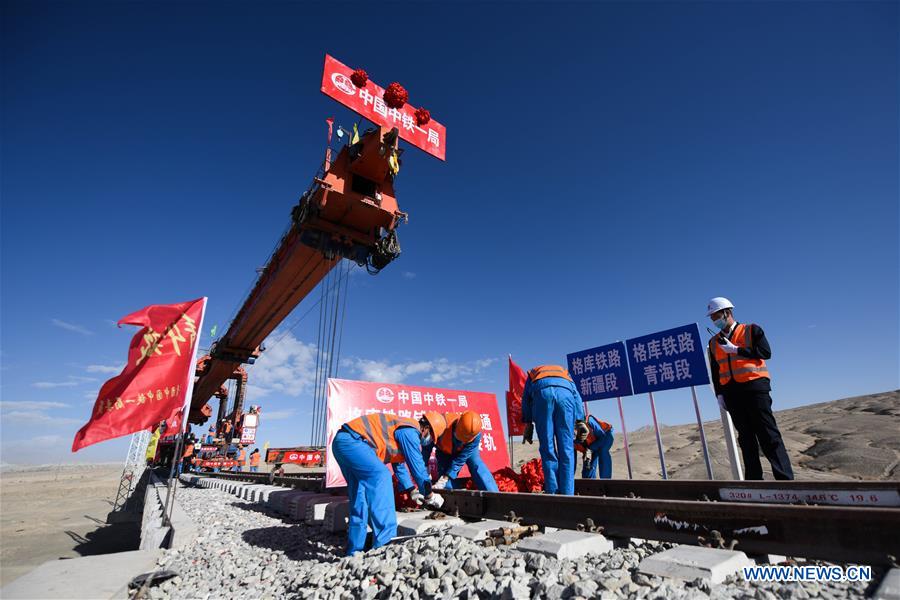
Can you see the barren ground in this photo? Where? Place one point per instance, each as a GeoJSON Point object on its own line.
{"type": "Point", "coordinates": [59, 512]}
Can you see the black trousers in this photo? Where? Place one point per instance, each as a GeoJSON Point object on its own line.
{"type": "Point", "coordinates": [751, 413]}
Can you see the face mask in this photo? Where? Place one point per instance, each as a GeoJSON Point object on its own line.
{"type": "Point", "coordinates": [721, 323]}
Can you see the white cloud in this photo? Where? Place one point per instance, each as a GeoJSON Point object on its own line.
{"type": "Point", "coordinates": [53, 384]}
{"type": "Point", "coordinates": [288, 366]}
{"type": "Point", "coordinates": [277, 415]}
{"type": "Point", "coordinates": [72, 327]}
{"type": "Point", "coordinates": [110, 369]}
{"type": "Point", "coordinates": [28, 405]}
{"type": "Point", "coordinates": [25, 417]}
{"type": "Point", "coordinates": [441, 370]}
{"type": "Point", "coordinates": [46, 439]}
{"type": "Point", "coordinates": [72, 381]}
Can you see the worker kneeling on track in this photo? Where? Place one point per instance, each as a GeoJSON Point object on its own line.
{"type": "Point", "coordinates": [362, 448]}
{"type": "Point", "coordinates": [551, 405]}
{"type": "Point", "coordinates": [458, 447]}
{"type": "Point", "coordinates": [596, 436]}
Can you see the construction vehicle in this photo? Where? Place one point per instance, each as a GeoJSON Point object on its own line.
{"type": "Point", "coordinates": [350, 211]}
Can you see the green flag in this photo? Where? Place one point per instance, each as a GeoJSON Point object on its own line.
{"type": "Point", "coordinates": [212, 332]}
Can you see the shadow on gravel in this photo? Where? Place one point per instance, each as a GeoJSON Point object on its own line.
{"type": "Point", "coordinates": [293, 541]}
{"type": "Point", "coordinates": [256, 508]}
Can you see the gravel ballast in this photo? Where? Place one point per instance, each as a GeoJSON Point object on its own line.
{"type": "Point", "coordinates": [244, 551]}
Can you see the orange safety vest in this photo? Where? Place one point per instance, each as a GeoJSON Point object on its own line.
{"type": "Point", "coordinates": [445, 442]}
{"type": "Point", "coordinates": [737, 367]}
{"type": "Point", "coordinates": [591, 438]}
{"type": "Point", "coordinates": [378, 429]}
{"type": "Point", "coordinates": [242, 457]}
{"type": "Point", "coordinates": [548, 371]}
{"type": "Point", "coordinates": [188, 451]}
{"type": "Point", "coordinates": [254, 460]}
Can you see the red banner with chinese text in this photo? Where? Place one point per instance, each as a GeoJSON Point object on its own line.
{"type": "Point", "coordinates": [157, 378]}
{"type": "Point", "coordinates": [348, 400]}
{"type": "Point", "coordinates": [514, 399]}
{"type": "Point", "coordinates": [369, 102]}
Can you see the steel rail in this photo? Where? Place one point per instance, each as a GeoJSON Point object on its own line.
{"type": "Point", "coordinates": [848, 493]}
{"type": "Point", "coordinates": [862, 535]}
{"type": "Point", "coordinates": [838, 493]}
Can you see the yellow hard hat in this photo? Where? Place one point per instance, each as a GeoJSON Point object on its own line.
{"type": "Point", "coordinates": [437, 422]}
{"type": "Point", "coordinates": [468, 426]}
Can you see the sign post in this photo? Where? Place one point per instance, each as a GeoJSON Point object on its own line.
{"type": "Point", "coordinates": [659, 444]}
{"type": "Point", "coordinates": [668, 360]}
{"type": "Point", "coordinates": [625, 437]}
{"type": "Point", "coordinates": [601, 373]}
{"type": "Point", "coordinates": [709, 471]}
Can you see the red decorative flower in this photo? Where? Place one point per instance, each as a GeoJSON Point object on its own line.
{"type": "Point", "coordinates": [359, 78]}
{"type": "Point", "coordinates": [395, 96]}
{"type": "Point", "coordinates": [422, 116]}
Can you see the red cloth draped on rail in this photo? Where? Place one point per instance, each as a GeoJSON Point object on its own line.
{"type": "Point", "coordinates": [157, 378]}
{"type": "Point", "coordinates": [514, 399]}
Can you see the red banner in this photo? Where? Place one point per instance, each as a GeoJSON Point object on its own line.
{"type": "Point", "coordinates": [156, 379]}
{"type": "Point", "coordinates": [514, 399]}
{"type": "Point", "coordinates": [368, 101]}
{"type": "Point", "coordinates": [348, 400]}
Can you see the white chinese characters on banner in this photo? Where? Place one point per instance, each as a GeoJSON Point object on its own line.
{"type": "Point", "coordinates": [348, 400]}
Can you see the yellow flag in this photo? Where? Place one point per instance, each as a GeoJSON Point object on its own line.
{"type": "Point", "coordinates": [355, 137]}
{"type": "Point", "coordinates": [151, 447]}
{"type": "Point", "coordinates": [394, 163]}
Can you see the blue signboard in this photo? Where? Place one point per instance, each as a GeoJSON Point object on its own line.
{"type": "Point", "coordinates": [666, 360]}
{"type": "Point", "coordinates": [600, 372]}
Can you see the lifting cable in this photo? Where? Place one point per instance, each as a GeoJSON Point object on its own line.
{"type": "Point", "coordinates": [332, 312]}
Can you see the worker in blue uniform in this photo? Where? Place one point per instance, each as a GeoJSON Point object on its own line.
{"type": "Point", "coordinates": [460, 446]}
{"type": "Point", "coordinates": [362, 448]}
{"type": "Point", "coordinates": [595, 436]}
{"type": "Point", "coordinates": [551, 405]}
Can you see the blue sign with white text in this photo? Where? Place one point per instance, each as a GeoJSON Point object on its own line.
{"type": "Point", "coordinates": [600, 372]}
{"type": "Point", "coordinates": [666, 360]}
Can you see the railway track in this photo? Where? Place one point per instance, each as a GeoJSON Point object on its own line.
{"type": "Point", "coordinates": [850, 522]}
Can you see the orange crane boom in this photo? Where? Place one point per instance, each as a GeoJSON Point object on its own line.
{"type": "Point", "coordinates": [350, 211]}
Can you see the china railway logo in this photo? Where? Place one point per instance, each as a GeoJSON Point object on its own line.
{"type": "Point", "coordinates": [384, 395]}
{"type": "Point", "coordinates": [343, 83]}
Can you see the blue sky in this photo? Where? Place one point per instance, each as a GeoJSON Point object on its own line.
{"type": "Point", "coordinates": [610, 167]}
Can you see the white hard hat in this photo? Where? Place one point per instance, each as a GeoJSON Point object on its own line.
{"type": "Point", "coordinates": [717, 304]}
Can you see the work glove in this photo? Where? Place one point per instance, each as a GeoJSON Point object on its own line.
{"type": "Point", "coordinates": [434, 501]}
{"type": "Point", "coordinates": [581, 431]}
{"type": "Point", "coordinates": [528, 436]}
{"type": "Point", "coordinates": [728, 347]}
{"type": "Point", "coordinates": [417, 497]}
{"type": "Point", "coordinates": [721, 400]}
{"type": "Point", "coordinates": [441, 483]}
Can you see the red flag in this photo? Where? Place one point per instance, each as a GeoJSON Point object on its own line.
{"type": "Point", "coordinates": [157, 379]}
{"type": "Point", "coordinates": [514, 399]}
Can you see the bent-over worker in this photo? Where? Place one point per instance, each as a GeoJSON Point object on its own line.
{"type": "Point", "coordinates": [459, 446]}
{"type": "Point", "coordinates": [551, 405]}
{"type": "Point", "coordinates": [737, 359]}
{"type": "Point", "coordinates": [362, 449]}
{"type": "Point", "coordinates": [595, 436]}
